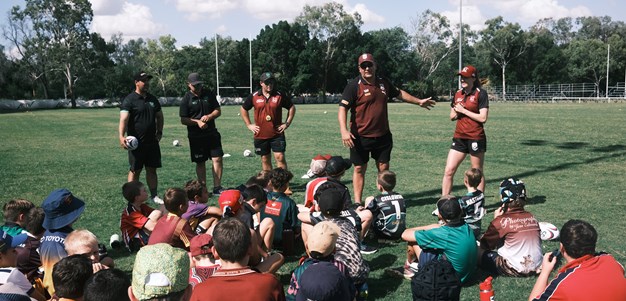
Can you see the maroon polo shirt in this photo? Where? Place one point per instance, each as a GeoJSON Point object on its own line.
{"type": "Point", "coordinates": [164, 232]}
{"type": "Point", "coordinates": [468, 128]}
{"type": "Point", "coordinates": [268, 112]}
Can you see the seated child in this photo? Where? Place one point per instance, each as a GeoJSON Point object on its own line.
{"type": "Point", "coordinates": [203, 263]}
{"type": "Point", "coordinates": [280, 207]}
{"type": "Point", "coordinates": [70, 275]}
{"type": "Point", "coordinates": [512, 248]}
{"type": "Point", "coordinates": [16, 216]}
{"type": "Point", "coordinates": [200, 216]}
{"type": "Point", "coordinates": [83, 242]}
{"type": "Point", "coordinates": [138, 219]}
{"type": "Point", "coordinates": [173, 229]}
{"type": "Point", "coordinates": [322, 242]}
{"type": "Point", "coordinates": [255, 202]}
{"type": "Point", "coordinates": [8, 261]}
{"type": "Point", "coordinates": [388, 208]}
{"type": "Point", "coordinates": [28, 259]}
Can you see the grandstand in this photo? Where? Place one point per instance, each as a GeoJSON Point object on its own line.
{"type": "Point", "coordinates": [558, 92]}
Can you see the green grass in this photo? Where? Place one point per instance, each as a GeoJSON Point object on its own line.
{"type": "Point", "coordinates": [571, 156]}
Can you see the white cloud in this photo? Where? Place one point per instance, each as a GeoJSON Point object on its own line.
{"type": "Point", "coordinates": [367, 16]}
{"type": "Point", "coordinates": [472, 16]}
{"type": "Point", "coordinates": [133, 21]}
{"type": "Point", "coordinates": [198, 9]}
{"type": "Point", "coordinates": [107, 7]}
{"type": "Point", "coordinates": [221, 29]}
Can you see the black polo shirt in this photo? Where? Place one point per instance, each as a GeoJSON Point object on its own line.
{"type": "Point", "coordinates": [195, 107]}
{"type": "Point", "coordinates": [142, 116]}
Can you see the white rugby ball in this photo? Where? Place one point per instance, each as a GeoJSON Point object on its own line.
{"type": "Point", "coordinates": [132, 142]}
{"type": "Point", "coordinates": [247, 153]}
{"type": "Point", "coordinates": [176, 143]}
{"type": "Point", "coordinates": [548, 231]}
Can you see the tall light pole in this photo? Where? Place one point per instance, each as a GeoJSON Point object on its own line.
{"type": "Point", "coordinates": [217, 69]}
{"type": "Point", "coordinates": [460, 37]}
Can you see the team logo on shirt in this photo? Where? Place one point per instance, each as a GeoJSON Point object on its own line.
{"type": "Point", "coordinates": [367, 92]}
{"type": "Point", "coordinates": [460, 99]}
{"type": "Point", "coordinates": [273, 207]}
{"type": "Point", "coordinates": [260, 100]}
{"type": "Point", "coordinates": [151, 104]}
{"type": "Point", "coordinates": [472, 98]}
{"type": "Point", "coordinates": [274, 99]}
{"type": "Point", "coordinates": [474, 146]}
{"type": "Point", "coordinates": [382, 89]}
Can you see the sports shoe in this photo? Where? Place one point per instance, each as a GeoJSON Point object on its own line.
{"type": "Point", "coordinates": [407, 272]}
{"type": "Point", "coordinates": [218, 190]}
{"type": "Point", "coordinates": [157, 200]}
{"type": "Point", "coordinates": [365, 249]}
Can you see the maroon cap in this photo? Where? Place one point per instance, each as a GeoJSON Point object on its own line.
{"type": "Point", "coordinates": [198, 242]}
{"type": "Point", "coordinates": [366, 57]}
{"type": "Point", "coordinates": [468, 71]}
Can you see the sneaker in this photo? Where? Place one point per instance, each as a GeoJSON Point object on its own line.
{"type": "Point", "coordinates": [157, 200]}
{"type": "Point", "coordinates": [218, 190]}
{"type": "Point", "coordinates": [407, 271]}
{"type": "Point", "coordinates": [365, 249]}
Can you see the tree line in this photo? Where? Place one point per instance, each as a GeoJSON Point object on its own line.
{"type": "Point", "coordinates": [58, 57]}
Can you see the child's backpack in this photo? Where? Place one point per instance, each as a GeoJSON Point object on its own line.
{"type": "Point", "coordinates": [436, 281]}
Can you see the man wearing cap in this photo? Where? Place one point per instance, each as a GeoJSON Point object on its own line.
{"type": "Point", "coordinates": [198, 111]}
{"type": "Point", "coordinates": [451, 237]}
{"type": "Point", "coordinates": [366, 96]}
{"type": "Point", "coordinates": [62, 209]}
{"type": "Point", "coordinates": [141, 116]}
{"type": "Point", "coordinates": [268, 127]}
{"type": "Point", "coordinates": [160, 271]}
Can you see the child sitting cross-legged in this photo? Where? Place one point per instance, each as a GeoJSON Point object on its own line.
{"type": "Point", "coordinates": [173, 229]}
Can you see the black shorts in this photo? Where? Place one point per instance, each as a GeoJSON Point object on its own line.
{"type": "Point", "coordinates": [379, 148]}
{"type": "Point", "coordinates": [277, 144]}
{"type": "Point", "coordinates": [205, 148]}
{"type": "Point", "coordinates": [468, 146]}
{"type": "Point", "coordinates": [147, 154]}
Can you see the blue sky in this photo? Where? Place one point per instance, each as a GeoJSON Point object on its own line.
{"type": "Point", "coordinates": [190, 20]}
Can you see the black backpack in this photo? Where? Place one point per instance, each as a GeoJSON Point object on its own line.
{"type": "Point", "coordinates": [436, 281]}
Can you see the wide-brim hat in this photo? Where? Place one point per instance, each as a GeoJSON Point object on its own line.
{"type": "Point", "coordinates": [62, 208]}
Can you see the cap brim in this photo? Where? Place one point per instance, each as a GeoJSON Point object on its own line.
{"type": "Point", "coordinates": [197, 82]}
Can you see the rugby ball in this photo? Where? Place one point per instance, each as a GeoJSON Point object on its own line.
{"type": "Point", "coordinates": [132, 142]}
{"type": "Point", "coordinates": [548, 231]}
{"type": "Point", "coordinates": [247, 153]}
{"type": "Point", "coordinates": [176, 143]}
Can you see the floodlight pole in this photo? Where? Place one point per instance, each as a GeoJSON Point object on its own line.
{"type": "Point", "coordinates": [250, 54]}
{"type": "Point", "coordinates": [608, 57]}
{"type": "Point", "coordinates": [460, 38]}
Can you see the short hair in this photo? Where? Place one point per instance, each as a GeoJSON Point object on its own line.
{"type": "Point", "coordinates": [78, 238]}
{"type": "Point", "coordinates": [69, 276]}
{"type": "Point", "coordinates": [174, 198]}
{"type": "Point", "coordinates": [130, 190]}
{"type": "Point", "coordinates": [578, 238]}
{"type": "Point", "coordinates": [387, 179]}
{"type": "Point", "coordinates": [231, 239]}
{"type": "Point", "coordinates": [255, 192]}
{"type": "Point", "coordinates": [280, 177]}
{"type": "Point", "coordinates": [473, 176]}
{"type": "Point", "coordinates": [194, 188]}
{"type": "Point", "coordinates": [105, 285]}
{"type": "Point", "coordinates": [34, 222]}
{"type": "Point", "coordinates": [13, 208]}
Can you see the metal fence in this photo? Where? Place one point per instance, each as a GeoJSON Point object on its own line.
{"type": "Point", "coordinates": [557, 92]}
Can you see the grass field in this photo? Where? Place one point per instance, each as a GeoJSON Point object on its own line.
{"type": "Point", "coordinates": [571, 157]}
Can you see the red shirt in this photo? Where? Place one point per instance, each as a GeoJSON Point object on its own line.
{"type": "Point", "coordinates": [590, 277]}
{"type": "Point", "coordinates": [133, 221]}
{"type": "Point", "coordinates": [239, 284]}
{"type": "Point", "coordinates": [268, 112]}
{"type": "Point", "coordinates": [468, 128]}
{"type": "Point", "coordinates": [311, 188]}
{"type": "Point", "coordinates": [164, 232]}
{"type": "Point", "coordinates": [368, 106]}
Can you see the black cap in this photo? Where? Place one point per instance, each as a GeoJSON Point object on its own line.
{"type": "Point", "coordinates": [336, 165]}
{"type": "Point", "coordinates": [330, 201]}
{"type": "Point", "coordinates": [266, 75]}
{"type": "Point", "coordinates": [449, 208]}
{"type": "Point", "coordinates": [141, 76]}
{"type": "Point", "coordinates": [194, 79]}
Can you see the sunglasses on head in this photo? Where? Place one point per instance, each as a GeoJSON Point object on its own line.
{"type": "Point", "coordinates": [366, 65]}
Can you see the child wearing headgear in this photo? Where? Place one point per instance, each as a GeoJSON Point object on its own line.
{"type": "Point", "coordinates": [511, 246]}
{"type": "Point", "coordinates": [203, 263]}
{"type": "Point", "coordinates": [9, 274]}
{"type": "Point", "coordinates": [62, 209]}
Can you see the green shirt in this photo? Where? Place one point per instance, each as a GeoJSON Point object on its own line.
{"type": "Point", "coordinates": [283, 211]}
{"type": "Point", "coordinates": [458, 243]}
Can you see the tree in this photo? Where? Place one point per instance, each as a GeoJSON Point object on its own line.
{"type": "Point", "coordinates": [159, 59]}
{"type": "Point", "coordinates": [60, 40]}
{"type": "Point", "coordinates": [433, 40]}
{"type": "Point", "coordinates": [505, 42]}
{"type": "Point", "coordinates": [587, 60]}
{"type": "Point", "coordinates": [328, 24]}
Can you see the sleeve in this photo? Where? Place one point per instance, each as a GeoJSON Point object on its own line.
{"type": "Point", "coordinates": [186, 235]}
{"type": "Point", "coordinates": [293, 214]}
{"type": "Point", "coordinates": [157, 104]}
{"type": "Point", "coordinates": [430, 239]}
{"type": "Point", "coordinates": [213, 100]}
{"type": "Point", "coordinates": [126, 105]}
{"type": "Point", "coordinates": [286, 103]}
{"type": "Point", "coordinates": [137, 219]}
{"type": "Point", "coordinates": [491, 239]}
{"type": "Point", "coordinates": [183, 110]}
{"type": "Point", "coordinates": [349, 96]}
{"type": "Point", "coordinates": [16, 277]}
{"type": "Point", "coordinates": [483, 99]}
{"type": "Point", "coordinates": [247, 104]}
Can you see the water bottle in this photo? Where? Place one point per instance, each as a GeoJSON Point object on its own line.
{"type": "Point", "coordinates": [486, 290]}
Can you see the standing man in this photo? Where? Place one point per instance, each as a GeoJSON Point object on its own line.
{"type": "Point", "coordinates": [198, 111]}
{"type": "Point", "coordinates": [141, 116]}
{"type": "Point", "coordinates": [366, 97]}
{"type": "Point", "coordinates": [268, 126]}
